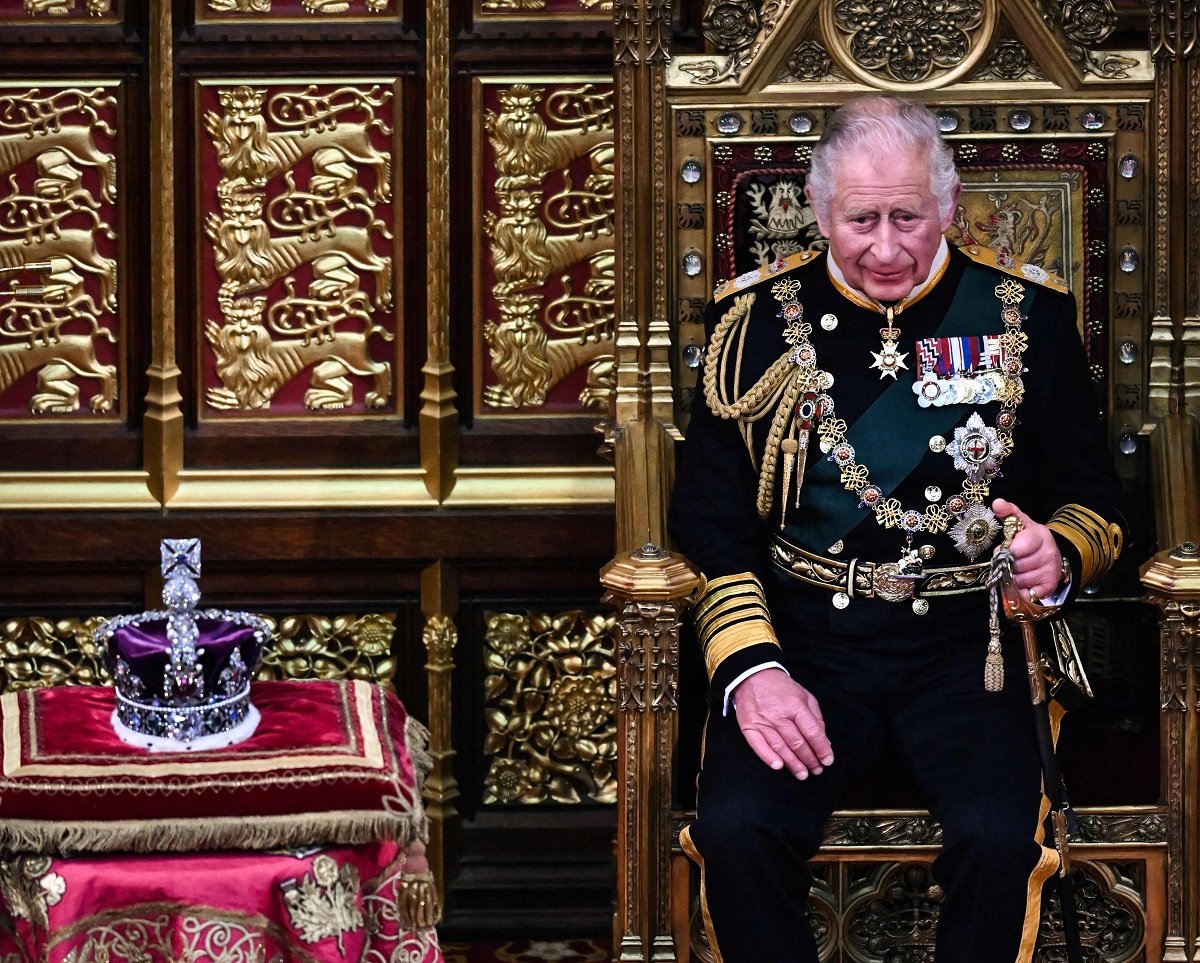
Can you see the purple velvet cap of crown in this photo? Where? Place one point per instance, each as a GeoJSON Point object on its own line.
{"type": "Point", "coordinates": [145, 648]}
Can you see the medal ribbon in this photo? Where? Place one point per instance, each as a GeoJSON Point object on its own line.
{"type": "Point", "coordinates": [896, 424]}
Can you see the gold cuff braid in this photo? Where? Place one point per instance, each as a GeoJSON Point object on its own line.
{"type": "Point", "coordinates": [731, 615]}
{"type": "Point", "coordinates": [1098, 541]}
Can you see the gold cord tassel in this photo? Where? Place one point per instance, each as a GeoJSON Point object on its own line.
{"type": "Point", "coordinates": [993, 665]}
{"type": "Point", "coordinates": [418, 904]}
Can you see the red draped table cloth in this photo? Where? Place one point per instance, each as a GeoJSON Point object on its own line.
{"type": "Point", "coordinates": [301, 845]}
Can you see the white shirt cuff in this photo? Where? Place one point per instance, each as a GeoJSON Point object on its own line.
{"type": "Point", "coordinates": [728, 703]}
{"type": "Point", "coordinates": [1059, 597]}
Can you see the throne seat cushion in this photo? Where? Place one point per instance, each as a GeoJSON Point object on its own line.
{"type": "Point", "coordinates": [331, 762]}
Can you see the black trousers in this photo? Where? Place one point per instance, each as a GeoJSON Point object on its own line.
{"type": "Point", "coordinates": [973, 753]}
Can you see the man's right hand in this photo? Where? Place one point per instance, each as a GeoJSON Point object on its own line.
{"type": "Point", "coordinates": [782, 723]}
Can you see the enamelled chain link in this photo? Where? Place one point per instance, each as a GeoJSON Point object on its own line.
{"type": "Point", "coordinates": [977, 451]}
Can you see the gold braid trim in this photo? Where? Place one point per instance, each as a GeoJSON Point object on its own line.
{"type": "Point", "coordinates": [781, 383]}
{"type": "Point", "coordinates": [1098, 541]}
{"type": "Point", "coordinates": [731, 615]}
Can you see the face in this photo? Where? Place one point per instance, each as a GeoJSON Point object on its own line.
{"type": "Point", "coordinates": [883, 225]}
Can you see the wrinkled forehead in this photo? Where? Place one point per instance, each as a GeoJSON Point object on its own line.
{"type": "Point", "coordinates": [905, 177]}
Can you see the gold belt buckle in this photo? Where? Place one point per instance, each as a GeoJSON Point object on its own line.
{"type": "Point", "coordinates": [889, 586]}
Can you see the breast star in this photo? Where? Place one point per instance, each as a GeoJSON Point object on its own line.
{"type": "Point", "coordinates": [889, 361]}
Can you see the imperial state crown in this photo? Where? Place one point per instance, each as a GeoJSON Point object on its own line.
{"type": "Point", "coordinates": [182, 676]}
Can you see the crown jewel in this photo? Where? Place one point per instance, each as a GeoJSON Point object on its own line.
{"type": "Point", "coordinates": [182, 676]}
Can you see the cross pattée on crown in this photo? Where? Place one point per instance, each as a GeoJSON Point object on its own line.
{"type": "Point", "coordinates": [180, 553]}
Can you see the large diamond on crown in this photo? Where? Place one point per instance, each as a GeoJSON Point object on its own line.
{"type": "Point", "coordinates": [182, 675]}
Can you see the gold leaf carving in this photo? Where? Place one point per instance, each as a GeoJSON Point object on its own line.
{"type": "Point", "coordinates": [320, 647]}
{"type": "Point", "coordinates": [550, 708]}
{"type": "Point", "coordinates": [440, 636]}
{"type": "Point", "coordinates": [38, 652]}
{"type": "Point", "coordinates": [908, 42]}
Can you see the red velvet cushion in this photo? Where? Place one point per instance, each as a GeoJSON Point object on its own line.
{"type": "Point", "coordinates": [329, 763]}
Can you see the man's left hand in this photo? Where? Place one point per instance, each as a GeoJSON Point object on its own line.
{"type": "Point", "coordinates": [1037, 562]}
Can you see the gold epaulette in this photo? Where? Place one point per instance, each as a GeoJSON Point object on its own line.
{"type": "Point", "coordinates": [1002, 261]}
{"type": "Point", "coordinates": [743, 281]}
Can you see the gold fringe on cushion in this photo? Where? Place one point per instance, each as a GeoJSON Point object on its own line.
{"type": "Point", "coordinates": [224, 832]}
{"type": "Point", "coordinates": [416, 738]}
{"type": "Point", "coordinates": [419, 907]}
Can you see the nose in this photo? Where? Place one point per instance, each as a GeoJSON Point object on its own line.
{"type": "Point", "coordinates": [885, 241]}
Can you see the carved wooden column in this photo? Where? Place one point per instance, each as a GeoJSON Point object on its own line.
{"type": "Point", "coordinates": [162, 425]}
{"type": "Point", "coordinates": [439, 598]}
{"type": "Point", "coordinates": [651, 589]}
{"type": "Point", "coordinates": [1172, 580]}
{"type": "Point", "coordinates": [642, 431]}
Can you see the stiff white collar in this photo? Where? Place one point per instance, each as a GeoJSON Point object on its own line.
{"type": "Point", "coordinates": [935, 274]}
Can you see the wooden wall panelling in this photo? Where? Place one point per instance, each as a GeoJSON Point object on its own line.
{"type": "Point", "coordinates": [335, 430]}
{"type": "Point", "coordinates": [529, 124]}
{"type": "Point", "coordinates": [74, 154]}
{"type": "Point", "coordinates": [353, 512]}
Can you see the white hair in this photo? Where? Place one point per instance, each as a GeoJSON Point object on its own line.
{"type": "Point", "coordinates": [882, 126]}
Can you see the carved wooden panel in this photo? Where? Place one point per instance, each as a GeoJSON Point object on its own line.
{"type": "Point", "coordinates": [545, 234]}
{"type": "Point", "coordinates": [298, 285]}
{"type": "Point", "coordinates": [549, 702]}
{"type": "Point", "coordinates": [866, 911]}
{"type": "Point", "coordinates": [269, 11]}
{"type": "Point", "coordinates": [62, 332]}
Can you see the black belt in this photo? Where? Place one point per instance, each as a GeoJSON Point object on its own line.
{"type": "Point", "coordinates": [875, 580]}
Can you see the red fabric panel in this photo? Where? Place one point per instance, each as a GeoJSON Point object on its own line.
{"type": "Point", "coordinates": [322, 749]}
{"type": "Point", "coordinates": [161, 909]}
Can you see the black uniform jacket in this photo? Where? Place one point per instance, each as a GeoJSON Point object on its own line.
{"type": "Point", "coordinates": [1058, 469]}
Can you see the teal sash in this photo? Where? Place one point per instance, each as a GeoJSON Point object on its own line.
{"type": "Point", "coordinates": [895, 426]}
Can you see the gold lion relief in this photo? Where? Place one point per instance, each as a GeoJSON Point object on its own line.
{"type": "Point", "coordinates": [247, 150]}
{"type": "Point", "coordinates": [64, 8]}
{"type": "Point", "coordinates": [529, 364]}
{"type": "Point", "coordinates": [307, 242]}
{"type": "Point", "coordinates": [526, 150]}
{"type": "Point", "coordinates": [552, 213]}
{"type": "Point", "coordinates": [249, 259]}
{"type": "Point", "coordinates": [253, 366]}
{"type": "Point", "coordinates": [317, 7]}
{"type": "Point", "coordinates": [524, 253]}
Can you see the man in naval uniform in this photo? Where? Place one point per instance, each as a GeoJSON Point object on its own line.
{"type": "Point", "coordinates": [865, 421]}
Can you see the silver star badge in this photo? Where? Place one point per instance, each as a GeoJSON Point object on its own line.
{"type": "Point", "coordinates": [975, 531]}
{"type": "Point", "coordinates": [976, 449]}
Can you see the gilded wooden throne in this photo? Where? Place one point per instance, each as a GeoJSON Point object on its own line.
{"type": "Point", "coordinates": [1074, 125]}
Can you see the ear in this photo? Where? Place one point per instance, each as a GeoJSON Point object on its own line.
{"type": "Point", "coordinates": [816, 209]}
{"type": "Point", "coordinates": [949, 218]}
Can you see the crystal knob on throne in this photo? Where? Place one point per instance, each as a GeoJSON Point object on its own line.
{"type": "Point", "coordinates": [182, 675]}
